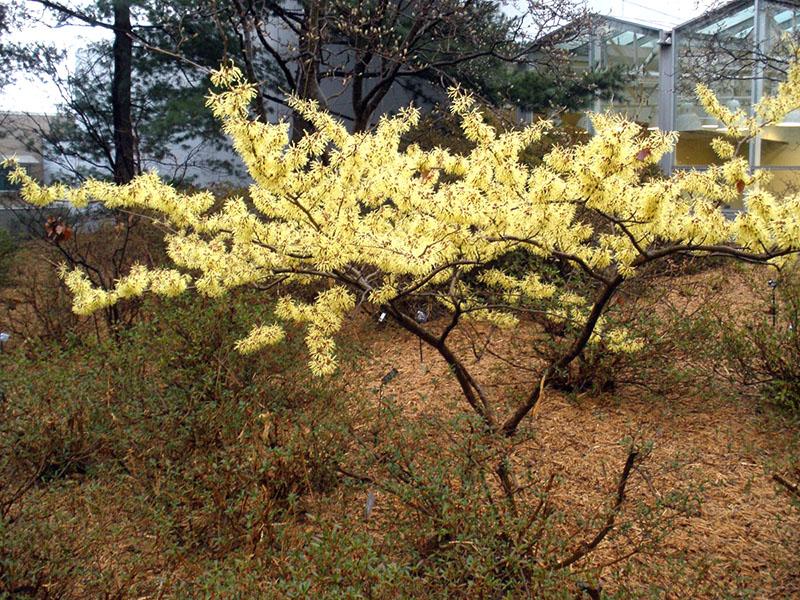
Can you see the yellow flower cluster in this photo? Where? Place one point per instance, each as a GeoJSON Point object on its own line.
{"type": "Point", "coordinates": [260, 337]}
{"type": "Point", "coordinates": [770, 110]}
{"type": "Point", "coordinates": [88, 299]}
{"type": "Point", "coordinates": [515, 289]}
{"type": "Point", "coordinates": [619, 340]}
{"type": "Point", "coordinates": [737, 122]}
{"type": "Point", "coordinates": [323, 318]}
{"type": "Point", "coordinates": [356, 211]}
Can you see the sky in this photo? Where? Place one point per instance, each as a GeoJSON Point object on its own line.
{"type": "Point", "coordinates": [664, 14]}
{"type": "Point", "coordinates": [38, 97]}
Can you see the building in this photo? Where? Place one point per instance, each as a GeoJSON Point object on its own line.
{"type": "Point", "coordinates": [21, 139]}
{"type": "Point", "coordinates": [740, 50]}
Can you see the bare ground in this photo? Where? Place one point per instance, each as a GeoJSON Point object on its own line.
{"type": "Point", "coordinates": [709, 440]}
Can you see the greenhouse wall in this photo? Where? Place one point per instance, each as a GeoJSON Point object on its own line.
{"type": "Point", "coordinates": [741, 50]}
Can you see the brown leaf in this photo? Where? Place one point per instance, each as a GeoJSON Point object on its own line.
{"type": "Point", "coordinates": [644, 154]}
{"type": "Point", "coordinates": [49, 226]}
{"type": "Point", "coordinates": [740, 186]}
{"type": "Point", "coordinates": [56, 230]}
{"type": "Point", "coordinates": [426, 175]}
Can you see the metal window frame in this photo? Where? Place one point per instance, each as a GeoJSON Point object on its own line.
{"type": "Point", "coordinates": [668, 65]}
{"type": "Point", "coordinates": [667, 96]}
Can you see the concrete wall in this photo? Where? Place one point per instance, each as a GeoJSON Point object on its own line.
{"type": "Point", "coordinates": [20, 137]}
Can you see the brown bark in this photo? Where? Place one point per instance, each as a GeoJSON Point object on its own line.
{"type": "Point", "coordinates": [510, 426]}
{"type": "Point", "coordinates": [124, 142]}
{"type": "Point", "coordinates": [307, 85]}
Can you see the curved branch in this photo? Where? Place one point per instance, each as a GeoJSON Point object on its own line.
{"type": "Point", "coordinates": [587, 547]}
{"type": "Point", "coordinates": [511, 424]}
{"type": "Point", "coordinates": [472, 391]}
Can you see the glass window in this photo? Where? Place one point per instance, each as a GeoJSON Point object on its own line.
{"type": "Point", "coordinates": [783, 182]}
{"type": "Point", "coordinates": [780, 145]}
{"type": "Point", "coordinates": [721, 51]}
{"type": "Point", "coordinates": [632, 49]}
{"type": "Point", "coordinates": [694, 148]}
{"type": "Point", "coordinates": [780, 32]}
{"type": "Point", "coordinates": [635, 51]}
{"type": "Point", "coordinates": [717, 51]}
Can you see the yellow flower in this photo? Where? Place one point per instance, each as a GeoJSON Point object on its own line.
{"type": "Point", "coordinates": [359, 218]}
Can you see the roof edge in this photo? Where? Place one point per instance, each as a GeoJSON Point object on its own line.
{"type": "Point", "coordinates": [711, 14]}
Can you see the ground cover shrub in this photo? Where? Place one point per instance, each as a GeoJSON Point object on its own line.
{"type": "Point", "coordinates": [185, 440]}
{"type": "Point", "coordinates": [664, 310]}
{"type": "Point", "coordinates": [758, 344]}
{"type": "Point", "coordinates": [755, 352]}
{"type": "Point", "coordinates": [36, 303]}
{"type": "Point", "coordinates": [427, 518]}
{"type": "Point", "coordinates": [104, 243]}
{"type": "Point", "coordinates": [166, 462]}
{"type": "Point", "coordinates": [7, 248]}
{"type": "Point", "coordinates": [468, 538]}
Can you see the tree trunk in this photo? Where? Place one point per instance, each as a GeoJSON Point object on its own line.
{"type": "Point", "coordinates": [124, 164]}
{"type": "Point", "coordinates": [361, 122]}
{"type": "Point", "coordinates": [307, 69]}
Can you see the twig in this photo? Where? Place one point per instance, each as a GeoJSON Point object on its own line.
{"type": "Point", "coordinates": [586, 547]}
{"type": "Point", "coordinates": [791, 487]}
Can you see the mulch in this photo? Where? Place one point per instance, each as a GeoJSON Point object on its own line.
{"type": "Point", "coordinates": [708, 439]}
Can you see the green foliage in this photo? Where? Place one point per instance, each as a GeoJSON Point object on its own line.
{"type": "Point", "coordinates": [12, 13]}
{"type": "Point", "coordinates": [466, 540]}
{"type": "Point", "coordinates": [7, 249]}
{"type": "Point", "coordinates": [336, 561]}
{"type": "Point", "coordinates": [166, 434]}
{"type": "Point", "coordinates": [539, 91]}
{"type": "Point", "coordinates": [759, 343]}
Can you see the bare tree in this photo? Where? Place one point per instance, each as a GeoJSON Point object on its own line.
{"type": "Point", "coordinates": [120, 24]}
{"type": "Point", "coordinates": [350, 55]}
{"type": "Point", "coordinates": [731, 45]}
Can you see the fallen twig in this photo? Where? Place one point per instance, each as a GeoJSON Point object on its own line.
{"type": "Point", "coordinates": [792, 487]}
